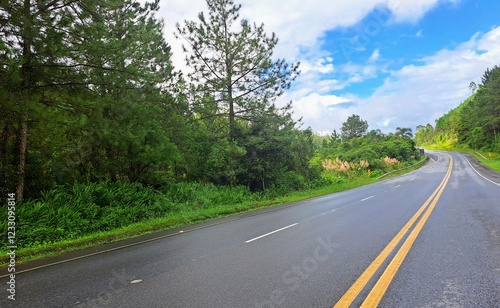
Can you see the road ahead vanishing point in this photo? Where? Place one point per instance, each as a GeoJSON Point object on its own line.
{"type": "Point", "coordinates": [430, 238]}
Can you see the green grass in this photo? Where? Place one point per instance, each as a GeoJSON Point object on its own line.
{"type": "Point", "coordinates": [80, 216]}
{"type": "Point", "coordinates": [490, 159]}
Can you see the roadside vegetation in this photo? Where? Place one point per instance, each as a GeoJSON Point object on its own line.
{"type": "Point", "coordinates": [102, 139]}
{"type": "Point", "coordinates": [79, 215]}
{"type": "Point", "coordinates": [473, 127]}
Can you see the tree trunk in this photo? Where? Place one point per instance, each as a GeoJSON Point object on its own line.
{"type": "Point", "coordinates": [229, 80]}
{"type": "Point", "coordinates": [231, 120]}
{"type": "Point", "coordinates": [3, 144]}
{"type": "Point", "coordinates": [263, 181]}
{"type": "Point", "coordinates": [27, 83]}
{"type": "Point", "coordinates": [230, 101]}
{"type": "Point", "coordinates": [21, 167]}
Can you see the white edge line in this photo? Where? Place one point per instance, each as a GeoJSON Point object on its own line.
{"type": "Point", "coordinates": [366, 198]}
{"type": "Point", "coordinates": [264, 235]}
{"type": "Point", "coordinates": [480, 173]}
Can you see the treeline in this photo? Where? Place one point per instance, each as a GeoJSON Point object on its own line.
{"type": "Point", "coordinates": [355, 152]}
{"type": "Point", "coordinates": [475, 123]}
{"type": "Point", "coordinates": [99, 131]}
{"type": "Point", "coordinates": [89, 94]}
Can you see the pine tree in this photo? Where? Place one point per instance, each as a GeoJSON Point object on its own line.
{"type": "Point", "coordinates": [354, 127]}
{"type": "Point", "coordinates": [232, 65]}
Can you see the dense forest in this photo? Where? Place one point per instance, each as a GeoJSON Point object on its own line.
{"type": "Point", "coordinates": [90, 94]}
{"type": "Point", "coordinates": [97, 123]}
{"type": "Point", "coordinates": [474, 124]}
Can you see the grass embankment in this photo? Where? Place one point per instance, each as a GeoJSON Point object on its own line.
{"type": "Point", "coordinates": [489, 159]}
{"type": "Point", "coordinates": [80, 216]}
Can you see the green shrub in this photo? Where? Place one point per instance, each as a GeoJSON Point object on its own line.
{"type": "Point", "coordinates": [290, 181]}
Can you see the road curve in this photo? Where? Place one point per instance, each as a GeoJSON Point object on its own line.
{"type": "Point", "coordinates": [443, 221]}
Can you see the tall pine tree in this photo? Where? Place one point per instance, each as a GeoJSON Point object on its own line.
{"type": "Point", "coordinates": [231, 63]}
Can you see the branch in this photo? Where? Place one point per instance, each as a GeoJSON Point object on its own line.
{"type": "Point", "coordinates": [264, 84]}
{"type": "Point", "coordinates": [198, 54]}
{"type": "Point", "coordinates": [51, 6]}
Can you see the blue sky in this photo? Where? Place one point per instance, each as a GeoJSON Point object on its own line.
{"type": "Point", "coordinates": [445, 26]}
{"type": "Point", "coordinates": [396, 63]}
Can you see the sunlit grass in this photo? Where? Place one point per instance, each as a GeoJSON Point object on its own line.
{"type": "Point", "coordinates": [488, 158]}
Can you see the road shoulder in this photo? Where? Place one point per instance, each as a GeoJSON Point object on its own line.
{"type": "Point", "coordinates": [482, 169]}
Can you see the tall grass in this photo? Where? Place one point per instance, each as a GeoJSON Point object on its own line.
{"type": "Point", "coordinates": [81, 209]}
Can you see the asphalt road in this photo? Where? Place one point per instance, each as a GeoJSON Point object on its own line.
{"type": "Point", "coordinates": [308, 254]}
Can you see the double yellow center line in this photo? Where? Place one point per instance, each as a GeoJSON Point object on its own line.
{"type": "Point", "coordinates": [378, 291]}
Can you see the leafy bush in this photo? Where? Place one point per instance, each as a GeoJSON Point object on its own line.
{"type": "Point", "coordinates": [290, 181]}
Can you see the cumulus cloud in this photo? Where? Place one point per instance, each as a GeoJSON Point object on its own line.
{"type": "Point", "coordinates": [298, 26]}
{"type": "Point", "coordinates": [360, 72]}
{"type": "Point", "coordinates": [375, 56]}
{"type": "Point", "coordinates": [418, 94]}
{"type": "Point", "coordinates": [322, 65]}
{"type": "Point", "coordinates": [323, 112]}
{"type": "Point", "coordinates": [412, 95]}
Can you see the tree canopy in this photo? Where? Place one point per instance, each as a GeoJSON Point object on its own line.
{"type": "Point", "coordinates": [90, 94]}
{"type": "Point", "coordinates": [354, 127]}
{"type": "Point", "coordinates": [82, 83]}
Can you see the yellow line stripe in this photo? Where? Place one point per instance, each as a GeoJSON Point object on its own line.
{"type": "Point", "coordinates": [378, 291]}
{"type": "Point", "coordinates": [351, 294]}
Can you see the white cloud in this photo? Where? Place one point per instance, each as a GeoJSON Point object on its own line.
{"type": "Point", "coordinates": [419, 94]}
{"type": "Point", "coordinates": [375, 56]}
{"type": "Point", "coordinates": [322, 65]}
{"type": "Point", "coordinates": [360, 72]}
{"type": "Point", "coordinates": [409, 10]}
{"type": "Point", "coordinates": [321, 111]}
{"type": "Point", "coordinates": [412, 95]}
{"type": "Point", "coordinates": [298, 25]}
